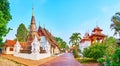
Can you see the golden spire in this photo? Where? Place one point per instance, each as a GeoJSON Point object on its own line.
{"type": "Point", "coordinates": [32, 11]}
{"type": "Point", "coordinates": [33, 25]}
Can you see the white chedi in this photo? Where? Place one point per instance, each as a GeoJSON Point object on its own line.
{"type": "Point", "coordinates": [43, 42]}
{"type": "Point", "coordinates": [17, 47]}
{"type": "Point", "coordinates": [47, 47]}
{"type": "Point", "coordinates": [84, 45]}
{"type": "Point", "coordinates": [35, 46]}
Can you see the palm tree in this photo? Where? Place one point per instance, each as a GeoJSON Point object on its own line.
{"type": "Point", "coordinates": [116, 23]}
{"type": "Point", "coordinates": [74, 40]}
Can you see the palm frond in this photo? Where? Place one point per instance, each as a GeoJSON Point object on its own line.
{"type": "Point", "coordinates": [112, 25]}
{"type": "Point", "coordinates": [118, 13]}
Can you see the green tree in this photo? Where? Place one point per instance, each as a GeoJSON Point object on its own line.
{"type": "Point", "coordinates": [95, 51]}
{"type": "Point", "coordinates": [74, 40]}
{"type": "Point", "coordinates": [63, 45]}
{"type": "Point", "coordinates": [116, 23]}
{"type": "Point", "coordinates": [22, 33]}
{"type": "Point", "coordinates": [5, 16]}
{"type": "Point", "coordinates": [111, 45]}
{"type": "Point", "coordinates": [116, 58]}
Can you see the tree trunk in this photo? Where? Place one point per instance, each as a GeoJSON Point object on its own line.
{"type": "Point", "coordinates": [76, 51]}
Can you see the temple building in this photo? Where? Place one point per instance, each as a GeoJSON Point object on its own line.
{"type": "Point", "coordinates": [40, 39]}
{"type": "Point", "coordinates": [88, 40]}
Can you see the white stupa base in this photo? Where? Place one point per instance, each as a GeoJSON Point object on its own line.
{"type": "Point", "coordinates": [32, 56]}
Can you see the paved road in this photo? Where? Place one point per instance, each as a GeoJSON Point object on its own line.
{"type": "Point", "coordinates": [66, 59]}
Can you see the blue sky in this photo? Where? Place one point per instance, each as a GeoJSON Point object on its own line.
{"type": "Point", "coordinates": [64, 17]}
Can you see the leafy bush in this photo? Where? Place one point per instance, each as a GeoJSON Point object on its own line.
{"type": "Point", "coordinates": [116, 58]}
{"type": "Point", "coordinates": [86, 60]}
{"type": "Point", "coordinates": [111, 45]}
{"type": "Point", "coordinates": [100, 60]}
{"type": "Point", "coordinates": [107, 61]}
{"type": "Point", "coordinates": [97, 50]}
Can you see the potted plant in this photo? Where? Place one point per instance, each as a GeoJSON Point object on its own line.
{"type": "Point", "coordinates": [100, 61]}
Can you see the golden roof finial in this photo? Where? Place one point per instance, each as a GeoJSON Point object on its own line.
{"type": "Point", "coordinates": [32, 10]}
{"type": "Point", "coordinates": [96, 23]}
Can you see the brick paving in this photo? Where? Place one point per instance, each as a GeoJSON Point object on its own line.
{"type": "Point", "coordinates": [66, 59]}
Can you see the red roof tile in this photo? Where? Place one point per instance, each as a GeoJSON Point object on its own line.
{"type": "Point", "coordinates": [96, 34]}
{"type": "Point", "coordinates": [40, 33]}
{"type": "Point", "coordinates": [13, 42]}
{"type": "Point", "coordinates": [97, 28]}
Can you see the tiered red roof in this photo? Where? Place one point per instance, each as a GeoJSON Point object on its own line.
{"type": "Point", "coordinates": [85, 38]}
{"type": "Point", "coordinates": [40, 33]}
{"type": "Point", "coordinates": [96, 29]}
{"type": "Point", "coordinates": [13, 42]}
{"type": "Point", "coordinates": [97, 33]}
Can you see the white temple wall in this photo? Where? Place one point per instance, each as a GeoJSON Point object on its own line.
{"type": "Point", "coordinates": [43, 41]}
{"type": "Point", "coordinates": [7, 50]}
{"type": "Point", "coordinates": [84, 45]}
{"type": "Point", "coordinates": [35, 55]}
{"type": "Point", "coordinates": [32, 56]}
{"type": "Point", "coordinates": [56, 51]}
{"type": "Point", "coordinates": [45, 44]}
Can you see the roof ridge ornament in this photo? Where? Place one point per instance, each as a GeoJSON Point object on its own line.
{"type": "Point", "coordinates": [32, 10]}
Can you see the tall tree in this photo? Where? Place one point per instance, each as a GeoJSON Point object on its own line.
{"type": "Point", "coordinates": [22, 33]}
{"type": "Point", "coordinates": [74, 40]}
{"type": "Point", "coordinates": [116, 23]}
{"type": "Point", "coordinates": [63, 45]}
{"type": "Point", "coordinates": [5, 16]}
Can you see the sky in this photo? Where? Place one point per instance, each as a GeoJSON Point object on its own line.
{"type": "Point", "coordinates": [64, 17]}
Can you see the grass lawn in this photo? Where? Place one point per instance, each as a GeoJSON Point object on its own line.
{"type": "Point", "coordinates": [86, 60]}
